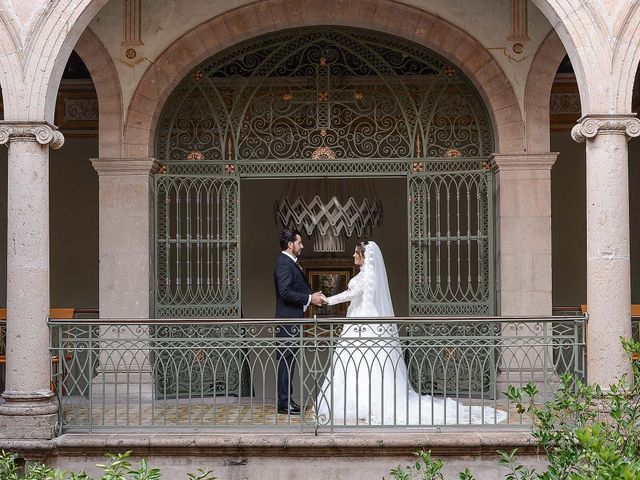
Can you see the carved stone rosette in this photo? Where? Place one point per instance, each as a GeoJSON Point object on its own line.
{"type": "Point", "coordinates": [591, 125]}
{"type": "Point", "coordinates": [41, 132]}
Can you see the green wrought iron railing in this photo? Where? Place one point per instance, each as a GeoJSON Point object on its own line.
{"type": "Point", "coordinates": [123, 374]}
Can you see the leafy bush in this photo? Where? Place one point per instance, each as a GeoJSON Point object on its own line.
{"type": "Point", "coordinates": [587, 433]}
{"type": "Point", "coordinates": [119, 469]}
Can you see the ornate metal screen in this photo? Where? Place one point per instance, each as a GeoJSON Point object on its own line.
{"type": "Point", "coordinates": [317, 102]}
{"type": "Point", "coordinates": [197, 276]}
{"type": "Point", "coordinates": [451, 260]}
{"type": "Point", "coordinates": [197, 254]}
{"type": "Point", "coordinates": [321, 101]}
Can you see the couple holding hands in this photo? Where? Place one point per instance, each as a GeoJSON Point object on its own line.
{"type": "Point", "coordinates": [367, 381]}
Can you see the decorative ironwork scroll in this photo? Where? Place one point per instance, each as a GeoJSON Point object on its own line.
{"type": "Point", "coordinates": [451, 256]}
{"type": "Point", "coordinates": [323, 93]}
{"type": "Point", "coordinates": [197, 251]}
{"type": "Point", "coordinates": [197, 276]}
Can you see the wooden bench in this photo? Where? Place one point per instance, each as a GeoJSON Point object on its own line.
{"type": "Point", "coordinates": [55, 313]}
{"type": "Point", "coordinates": [635, 314]}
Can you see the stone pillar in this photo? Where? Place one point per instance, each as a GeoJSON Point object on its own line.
{"type": "Point", "coordinates": [523, 187]}
{"type": "Point", "coordinates": [29, 410]}
{"type": "Point", "coordinates": [126, 268]}
{"type": "Point", "coordinates": [608, 250]}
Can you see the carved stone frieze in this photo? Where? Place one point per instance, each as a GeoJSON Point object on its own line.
{"type": "Point", "coordinates": [80, 109]}
{"type": "Point", "coordinates": [565, 103]}
{"type": "Point", "coordinates": [41, 132]}
{"type": "Point", "coordinates": [604, 124]}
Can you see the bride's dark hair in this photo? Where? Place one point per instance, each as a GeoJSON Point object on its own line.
{"type": "Point", "coordinates": [361, 247]}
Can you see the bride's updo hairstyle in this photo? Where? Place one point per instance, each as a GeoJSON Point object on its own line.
{"type": "Point", "coordinates": [361, 247]}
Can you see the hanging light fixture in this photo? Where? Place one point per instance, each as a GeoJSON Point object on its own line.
{"type": "Point", "coordinates": [330, 210]}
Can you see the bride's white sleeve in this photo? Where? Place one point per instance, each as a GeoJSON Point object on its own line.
{"type": "Point", "coordinates": [354, 289]}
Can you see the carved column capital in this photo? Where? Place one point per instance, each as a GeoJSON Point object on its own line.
{"type": "Point", "coordinates": [594, 124]}
{"type": "Point", "coordinates": [42, 132]}
{"type": "Point", "coordinates": [523, 161]}
{"type": "Point", "coordinates": [125, 166]}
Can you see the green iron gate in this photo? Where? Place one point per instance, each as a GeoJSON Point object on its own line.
{"type": "Point", "coordinates": [197, 276]}
{"type": "Point", "coordinates": [451, 265]}
{"type": "Point", "coordinates": [323, 102]}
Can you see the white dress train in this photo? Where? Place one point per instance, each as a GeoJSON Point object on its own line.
{"type": "Point", "coordinates": [367, 380]}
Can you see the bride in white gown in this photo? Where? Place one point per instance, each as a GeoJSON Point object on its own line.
{"type": "Point", "coordinates": [367, 381]}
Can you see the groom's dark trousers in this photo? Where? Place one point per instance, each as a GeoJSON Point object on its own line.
{"type": "Point", "coordinates": [292, 294]}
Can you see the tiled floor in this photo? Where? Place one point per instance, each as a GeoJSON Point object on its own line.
{"type": "Point", "coordinates": [206, 413]}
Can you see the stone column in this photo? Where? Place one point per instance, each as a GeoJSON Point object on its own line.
{"type": "Point", "coordinates": [29, 410]}
{"type": "Point", "coordinates": [608, 257]}
{"type": "Point", "coordinates": [126, 269]}
{"type": "Point", "coordinates": [523, 184]}
{"type": "Point", "coordinates": [523, 187]}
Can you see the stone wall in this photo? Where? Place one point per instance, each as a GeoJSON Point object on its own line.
{"type": "Point", "coordinates": [294, 456]}
{"type": "Point", "coordinates": [164, 21]}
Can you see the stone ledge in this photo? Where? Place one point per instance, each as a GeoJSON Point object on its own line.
{"type": "Point", "coordinates": [449, 443]}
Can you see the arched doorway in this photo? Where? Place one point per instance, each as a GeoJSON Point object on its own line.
{"type": "Point", "coordinates": [316, 103]}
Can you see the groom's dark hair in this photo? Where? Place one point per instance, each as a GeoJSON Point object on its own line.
{"type": "Point", "coordinates": [288, 235]}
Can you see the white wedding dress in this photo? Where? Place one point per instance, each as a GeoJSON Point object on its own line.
{"type": "Point", "coordinates": [367, 380]}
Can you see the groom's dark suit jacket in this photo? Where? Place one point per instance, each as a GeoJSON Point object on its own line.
{"type": "Point", "coordinates": [292, 292]}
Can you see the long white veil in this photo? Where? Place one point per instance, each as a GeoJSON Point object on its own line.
{"type": "Point", "coordinates": [376, 291]}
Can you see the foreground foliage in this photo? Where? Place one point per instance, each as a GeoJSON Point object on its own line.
{"type": "Point", "coordinates": [587, 433]}
{"type": "Point", "coordinates": [119, 469]}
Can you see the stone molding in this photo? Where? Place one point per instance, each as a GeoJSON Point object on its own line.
{"type": "Point", "coordinates": [393, 442]}
{"type": "Point", "coordinates": [42, 132]}
{"type": "Point", "coordinates": [125, 166]}
{"type": "Point", "coordinates": [606, 124]}
{"type": "Point", "coordinates": [523, 161]}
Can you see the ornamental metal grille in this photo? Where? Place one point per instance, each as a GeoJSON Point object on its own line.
{"type": "Point", "coordinates": [321, 102]}
{"type": "Point", "coordinates": [451, 243]}
{"type": "Point", "coordinates": [451, 268]}
{"type": "Point", "coordinates": [323, 93]}
{"type": "Point", "coordinates": [197, 254]}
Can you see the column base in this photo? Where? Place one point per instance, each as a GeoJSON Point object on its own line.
{"type": "Point", "coordinates": [28, 415]}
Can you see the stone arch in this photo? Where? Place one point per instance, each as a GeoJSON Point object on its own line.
{"type": "Point", "coordinates": [34, 60]}
{"type": "Point", "coordinates": [267, 16]}
{"type": "Point", "coordinates": [9, 65]}
{"type": "Point", "coordinates": [604, 69]}
{"type": "Point", "coordinates": [538, 93]}
{"type": "Point", "coordinates": [626, 57]}
{"type": "Point", "coordinates": [46, 45]}
{"type": "Point", "coordinates": [107, 85]}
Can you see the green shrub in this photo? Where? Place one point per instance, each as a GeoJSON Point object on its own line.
{"type": "Point", "coordinates": [118, 469]}
{"type": "Point", "coordinates": [587, 433]}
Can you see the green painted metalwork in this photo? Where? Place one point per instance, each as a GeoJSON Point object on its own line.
{"type": "Point", "coordinates": [523, 350]}
{"type": "Point", "coordinates": [329, 102]}
{"type": "Point", "coordinates": [197, 246]}
{"type": "Point", "coordinates": [451, 268]}
{"type": "Point", "coordinates": [451, 254]}
{"type": "Point", "coordinates": [197, 276]}
{"type": "Point", "coordinates": [323, 93]}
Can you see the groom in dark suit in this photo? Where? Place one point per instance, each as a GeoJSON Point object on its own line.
{"type": "Point", "coordinates": [293, 296]}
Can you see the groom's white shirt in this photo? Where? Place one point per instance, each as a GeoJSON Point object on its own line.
{"type": "Point", "coordinates": [295, 259]}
